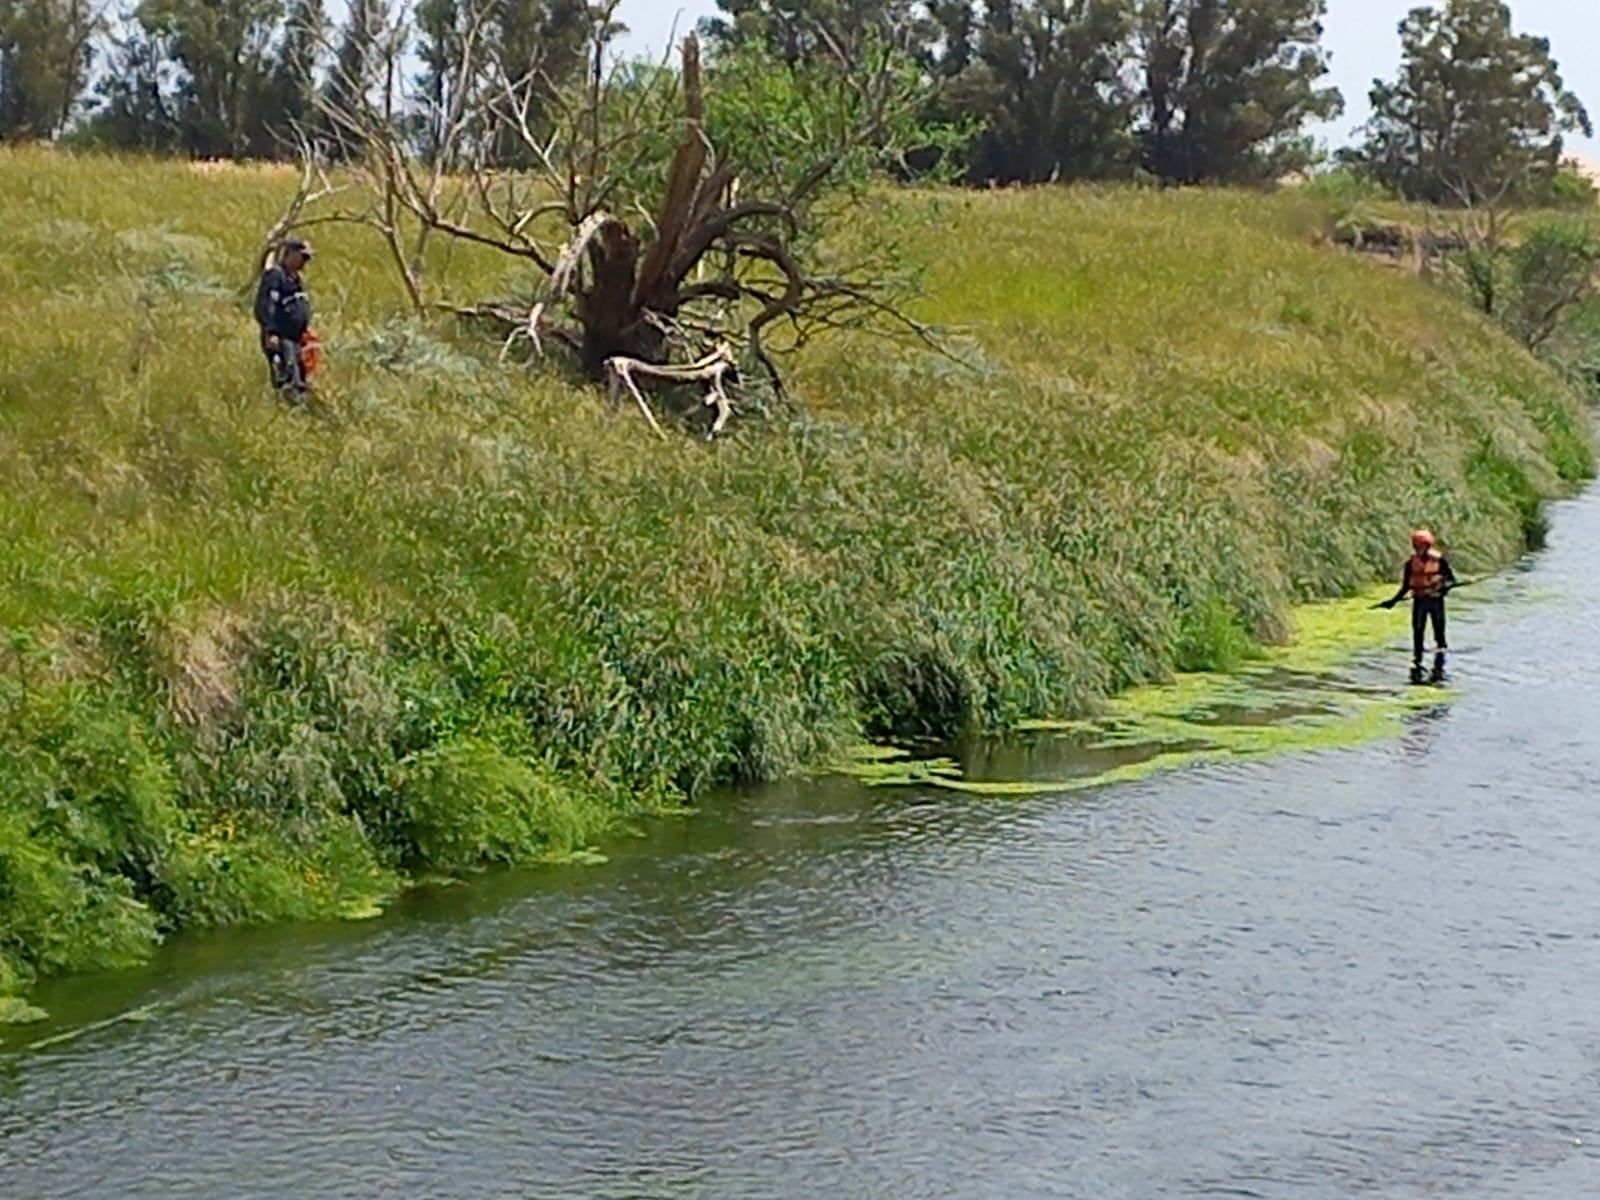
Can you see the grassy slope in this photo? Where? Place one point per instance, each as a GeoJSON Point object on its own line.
{"type": "Point", "coordinates": [265, 666]}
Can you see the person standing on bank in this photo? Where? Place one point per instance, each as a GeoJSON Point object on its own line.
{"type": "Point", "coordinates": [283, 311]}
{"type": "Point", "coordinates": [1427, 576]}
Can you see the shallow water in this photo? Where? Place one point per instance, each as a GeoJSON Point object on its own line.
{"type": "Point", "coordinates": [1370, 972]}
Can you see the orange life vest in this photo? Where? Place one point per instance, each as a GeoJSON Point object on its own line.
{"type": "Point", "coordinates": [1423, 575]}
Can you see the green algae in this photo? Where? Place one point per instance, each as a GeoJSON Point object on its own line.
{"type": "Point", "coordinates": [873, 763]}
{"type": "Point", "coordinates": [1298, 697]}
{"type": "Point", "coordinates": [140, 1014]}
{"type": "Point", "coordinates": [585, 856]}
{"type": "Point", "coordinates": [16, 1011]}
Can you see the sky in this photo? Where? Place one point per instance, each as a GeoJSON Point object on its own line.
{"type": "Point", "coordinates": [1361, 36]}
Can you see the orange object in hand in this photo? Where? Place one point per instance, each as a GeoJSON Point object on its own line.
{"type": "Point", "coordinates": [310, 353]}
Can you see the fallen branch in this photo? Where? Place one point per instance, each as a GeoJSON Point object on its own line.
{"type": "Point", "coordinates": [517, 323]}
{"type": "Point", "coordinates": [709, 370]}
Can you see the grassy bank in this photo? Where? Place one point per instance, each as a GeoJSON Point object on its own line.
{"type": "Point", "coordinates": [260, 665]}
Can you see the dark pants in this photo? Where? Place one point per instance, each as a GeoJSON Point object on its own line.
{"type": "Point", "coordinates": [1423, 610]}
{"type": "Point", "coordinates": [288, 372]}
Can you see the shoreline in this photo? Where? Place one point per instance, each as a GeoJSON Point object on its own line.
{"type": "Point", "coordinates": [1332, 637]}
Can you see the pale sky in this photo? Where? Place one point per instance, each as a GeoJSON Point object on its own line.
{"type": "Point", "coordinates": [1361, 35]}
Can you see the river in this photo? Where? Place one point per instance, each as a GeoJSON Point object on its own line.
{"type": "Point", "coordinates": [1368, 972]}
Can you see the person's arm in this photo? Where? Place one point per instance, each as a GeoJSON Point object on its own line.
{"type": "Point", "coordinates": [1405, 584]}
{"type": "Point", "coordinates": [1446, 573]}
{"type": "Point", "coordinates": [267, 293]}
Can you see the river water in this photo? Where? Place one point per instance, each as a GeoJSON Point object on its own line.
{"type": "Point", "coordinates": [1369, 972]}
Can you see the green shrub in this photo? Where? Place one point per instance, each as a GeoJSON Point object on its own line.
{"type": "Point", "coordinates": [466, 802]}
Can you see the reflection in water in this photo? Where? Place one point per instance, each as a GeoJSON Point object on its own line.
{"type": "Point", "coordinates": [1422, 730]}
{"type": "Point", "coordinates": [1365, 972]}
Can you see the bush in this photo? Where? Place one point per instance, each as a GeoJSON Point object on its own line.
{"type": "Point", "coordinates": [1348, 186]}
{"type": "Point", "coordinates": [1551, 272]}
{"type": "Point", "coordinates": [1573, 188]}
{"type": "Point", "coordinates": [89, 829]}
{"type": "Point", "coordinates": [466, 803]}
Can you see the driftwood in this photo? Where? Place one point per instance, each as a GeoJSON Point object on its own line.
{"type": "Point", "coordinates": [1383, 237]}
{"type": "Point", "coordinates": [710, 370]}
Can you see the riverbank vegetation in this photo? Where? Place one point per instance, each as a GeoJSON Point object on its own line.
{"type": "Point", "coordinates": [262, 663]}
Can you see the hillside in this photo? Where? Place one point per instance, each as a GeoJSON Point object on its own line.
{"type": "Point", "coordinates": [263, 664]}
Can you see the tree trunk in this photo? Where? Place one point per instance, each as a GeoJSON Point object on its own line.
{"type": "Point", "coordinates": [613, 323]}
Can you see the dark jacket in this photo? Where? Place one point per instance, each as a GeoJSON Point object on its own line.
{"type": "Point", "coordinates": [282, 306]}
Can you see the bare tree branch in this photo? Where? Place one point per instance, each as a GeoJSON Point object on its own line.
{"type": "Point", "coordinates": [314, 188]}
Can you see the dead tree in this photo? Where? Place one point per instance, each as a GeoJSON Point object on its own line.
{"type": "Point", "coordinates": [654, 253]}
{"type": "Point", "coordinates": [313, 193]}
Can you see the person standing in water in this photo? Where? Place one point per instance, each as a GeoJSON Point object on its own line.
{"type": "Point", "coordinates": [1427, 576]}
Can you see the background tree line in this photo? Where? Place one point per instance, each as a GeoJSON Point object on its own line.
{"type": "Point", "coordinates": [1178, 91]}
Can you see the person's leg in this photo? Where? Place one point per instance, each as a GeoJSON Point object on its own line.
{"type": "Point", "coordinates": [294, 376]}
{"type": "Point", "coordinates": [1436, 616]}
{"type": "Point", "coordinates": [1419, 621]}
{"type": "Point", "coordinates": [274, 362]}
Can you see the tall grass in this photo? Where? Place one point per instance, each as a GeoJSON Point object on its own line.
{"type": "Point", "coordinates": [264, 664]}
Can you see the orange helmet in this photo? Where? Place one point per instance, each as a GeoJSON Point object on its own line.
{"type": "Point", "coordinates": [1422, 539]}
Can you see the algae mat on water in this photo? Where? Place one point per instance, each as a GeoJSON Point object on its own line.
{"type": "Point", "coordinates": [1319, 691]}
